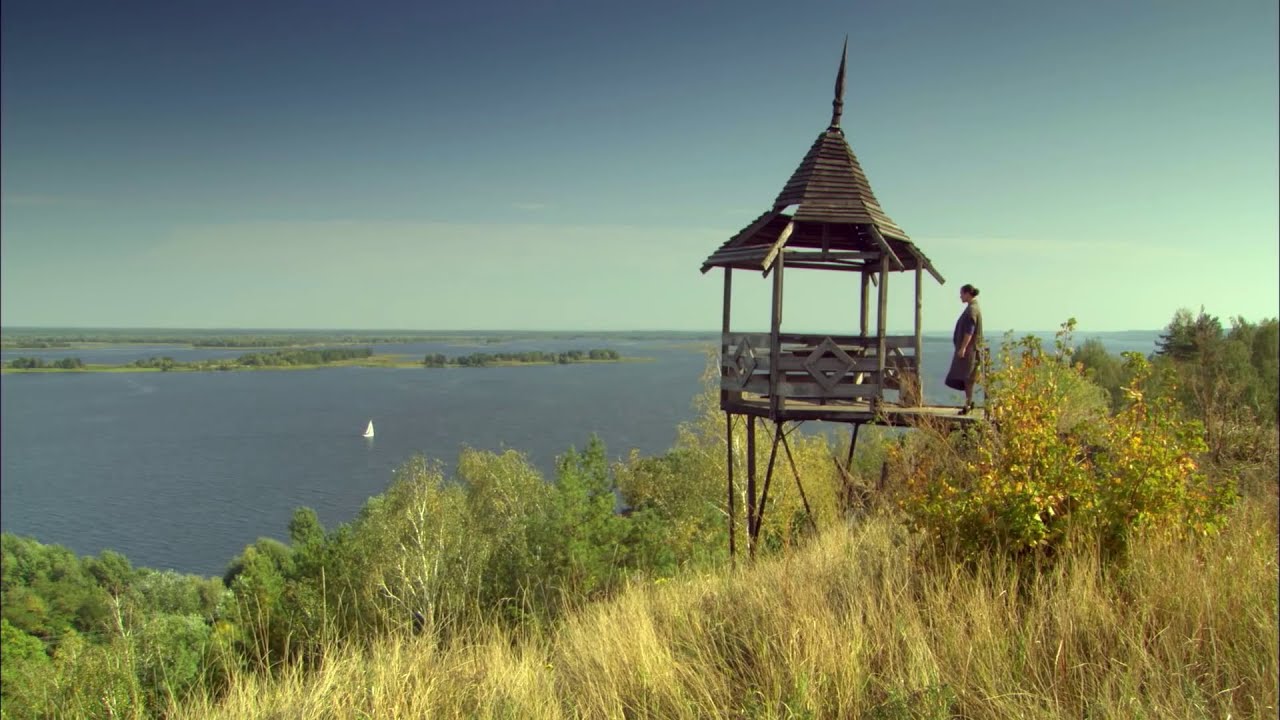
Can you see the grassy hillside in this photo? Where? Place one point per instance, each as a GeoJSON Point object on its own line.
{"type": "Point", "coordinates": [863, 623]}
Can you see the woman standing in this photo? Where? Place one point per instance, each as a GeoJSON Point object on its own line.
{"type": "Point", "coordinates": [967, 338]}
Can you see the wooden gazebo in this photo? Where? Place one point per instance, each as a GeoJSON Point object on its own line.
{"type": "Point", "coordinates": [825, 218]}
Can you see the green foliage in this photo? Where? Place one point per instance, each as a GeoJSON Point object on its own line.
{"type": "Point", "coordinates": [1230, 380]}
{"type": "Point", "coordinates": [47, 590]}
{"type": "Point", "coordinates": [169, 652]}
{"type": "Point", "coordinates": [1052, 467]}
{"type": "Point", "coordinates": [583, 534]}
{"type": "Point", "coordinates": [122, 640]}
{"type": "Point", "coordinates": [257, 582]}
{"type": "Point", "coordinates": [32, 363]}
{"type": "Point", "coordinates": [1188, 336]}
{"type": "Point", "coordinates": [479, 359]}
{"type": "Point", "coordinates": [507, 501]}
{"type": "Point", "coordinates": [166, 591]}
{"type": "Point", "coordinates": [1240, 364]}
{"type": "Point", "coordinates": [282, 358]}
{"type": "Point", "coordinates": [1103, 369]}
{"type": "Point", "coordinates": [164, 364]}
{"type": "Point", "coordinates": [25, 671]}
{"type": "Point", "coordinates": [94, 680]}
{"type": "Point", "coordinates": [676, 519]}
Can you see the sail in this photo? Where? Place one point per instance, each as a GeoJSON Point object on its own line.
{"type": "Point", "coordinates": [368, 432]}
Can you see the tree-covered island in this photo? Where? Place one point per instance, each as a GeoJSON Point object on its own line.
{"type": "Point", "coordinates": [314, 358]}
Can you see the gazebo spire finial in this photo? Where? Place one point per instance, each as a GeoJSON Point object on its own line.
{"type": "Point", "coordinates": [837, 105]}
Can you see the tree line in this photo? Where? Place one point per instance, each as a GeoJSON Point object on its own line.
{"type": "Point", "coordinates": [533, 356]}
{"type": "Point", "coordinates": [210, 338]}
{"type": "Point", "coordinates": [35, 363]}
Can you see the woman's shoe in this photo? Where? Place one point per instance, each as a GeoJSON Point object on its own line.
{"type": "Point", "coordinates": [966, 408]}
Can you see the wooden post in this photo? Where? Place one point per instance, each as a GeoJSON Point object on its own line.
{"type": "Point", "coordinates": [728, 299]}
{"type": "Point", "coordinates": [728, 441]}
{"type": "Point", "coordinates": [866, 298]}
{"type": "Point", "coordinates": [750, 486]}
{"type": "Point", "coordinates": [724, 334]}
{"type": "Point", "coordinates": [882, 319]}
{"type": "Point", "coordinates": [918, 380]}
{"type": "Point", "coordinates": [775, 347]}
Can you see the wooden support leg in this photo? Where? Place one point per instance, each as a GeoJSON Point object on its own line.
{"type": "Point", "coordinates": [751, 485]}
{"type": "Point", "coordinates": [796, 472]}
{"type": "Point", "coordinates": [768, 478]}
{"type": "Point", "coordinates": [853, 443]}
{"type": "Point", "coordinates": [728, 443]}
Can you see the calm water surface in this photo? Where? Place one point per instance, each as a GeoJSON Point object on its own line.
{"type": "Point", "coordinates": [182, 470]}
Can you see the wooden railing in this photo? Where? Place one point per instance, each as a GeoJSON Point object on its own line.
{"type": "Point", "coordinates": [819, 367]}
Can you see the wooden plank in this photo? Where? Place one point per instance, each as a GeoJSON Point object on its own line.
{"type": "Point", "coordinates": [738, 265]}
{"type": "Point", "coordinates": [745, 234]}
{"type": "Point", "coordinates": [826, 364]}
{"type": "Point", "coordinates": [762, 364]}
{"type": "Point", "coordinates": [884, 245]}
{"type": "Point", "coordinates": [891, 341]}
{"type": "Point", "coordinates": [838, 267]}
{"type": "Point", "coordinates": [833, 215]}
{"type": "Point", "coordinates": [745, 252]}
{"type": "Point", "coordinates": [924, 260]}
{"type": "Point", "coordinates": [761, 353]}
{"type": "Point", "coordinates": [837, 245]}
{"type": "Point", "coordinates": [762, 368]}
{"type": "Point", "coordinates": [777, 246]}
{"type": "Point", "coordinates": [864, 377]}
{"type": "Point", "coordinates": [830, 255]}
{"type": "Point", "coordinates": [814, 390]}
{"type": "Point", "coordinates": [755, 340]}
{"type": "Point", "coordinates": [760, 385]}
{"type": "Point", "coordinates": [859, 411]}
{"type": "Point", "coordinates": [743, 261]}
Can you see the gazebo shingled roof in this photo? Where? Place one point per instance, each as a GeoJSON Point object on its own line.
{"type": "Point", "coordinates": [837, 212]}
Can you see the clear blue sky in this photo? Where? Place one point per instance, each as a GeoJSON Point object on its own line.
{"type": "Point", "coordinates": [506, 165]}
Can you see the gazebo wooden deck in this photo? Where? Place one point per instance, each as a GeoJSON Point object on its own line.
{"type": "Point", "coordinates": [825, 218]}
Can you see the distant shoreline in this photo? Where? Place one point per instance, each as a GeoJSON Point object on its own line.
{"type": "Point", "coordinates": [64, 339]}
{"type": "Point", "coordinates": [394, 361]}
{"type": "Point", "coordinates": [12, 339]}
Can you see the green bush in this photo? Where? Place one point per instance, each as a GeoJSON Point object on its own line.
{"type": "Point", "coordinates": [1052, 467]}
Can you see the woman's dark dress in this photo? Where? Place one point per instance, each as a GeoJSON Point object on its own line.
{"type": "Point", "coordinates": [965, 367]}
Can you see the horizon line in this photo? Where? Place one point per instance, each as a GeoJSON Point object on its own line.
{"type": "Point", "coordinates": [157, 328]}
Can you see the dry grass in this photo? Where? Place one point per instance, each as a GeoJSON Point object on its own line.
{"type": "Point", "coordinates": [863, 623]}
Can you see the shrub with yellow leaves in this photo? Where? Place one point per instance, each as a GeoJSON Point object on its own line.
{"type": "Point", "coordinates": [1051, 466]}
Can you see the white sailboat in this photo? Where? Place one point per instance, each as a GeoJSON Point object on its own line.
{"type": "Point", "coordinates": [368, 432]}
